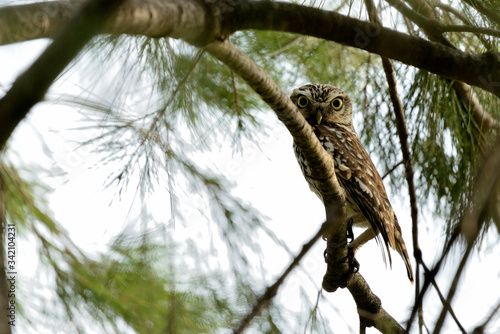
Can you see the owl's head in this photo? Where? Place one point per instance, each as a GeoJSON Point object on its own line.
{"type": "Point", "coordinates": [323, 104]}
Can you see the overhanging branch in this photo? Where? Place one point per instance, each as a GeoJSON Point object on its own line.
{"type": "Point", "coordinates": [433, 30]}
{"type": "Point", "coordinates": [201, 22]}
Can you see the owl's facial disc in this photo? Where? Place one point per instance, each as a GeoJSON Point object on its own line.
{"type": "Point", "coordinates": [323, 104]}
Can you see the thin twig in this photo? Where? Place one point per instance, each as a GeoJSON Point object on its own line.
{"type": "Point", "coordinates": [451, 293]}
{"type": "Point", "coordinates": [392, 169]}
{"type": "Point", "coordinates": [445, 302]}
{"type": "Point", "coordinates": [272, 290]}
{"type": "Point", "coordinates": [449, 9]}
{"type": "Point", "coordinates": [235, 91]}
{"type": "Point", "coordinates": [161, 112]}
{"type": "Point", "coordinates": [284, 48]}
{"type": "Point", "coordinates": [480, 328]}
{"type": "Point", "coordinates": [429, 275]}
{"type": "Point", "coordinates": [471, 29]}
{"type": "Point", "coordinates": [492, 165]}
{"type": "Point", "coordinates": [436, 27]}
{"type": "Point", "coordinates": [452, 10]}
{"type": "Point", "coordinates": [490, 14]}
{"type": "Point", "coordinates": [402, 131]}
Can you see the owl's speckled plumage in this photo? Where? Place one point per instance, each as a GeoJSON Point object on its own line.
{"type": "Point", "coordinates": [329, 111]}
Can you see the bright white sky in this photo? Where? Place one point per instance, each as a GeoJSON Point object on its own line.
{"type": "Point", "coordinates": [266, 176]}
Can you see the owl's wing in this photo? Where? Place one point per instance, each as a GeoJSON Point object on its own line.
{"type": "Point", "coordinates": [361, 181]}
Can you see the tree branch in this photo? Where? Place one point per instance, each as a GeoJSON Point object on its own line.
{"type": "Point", "coordinates": [370, 307]}
{"type": "Point", "coordinates": [451, 293]}
{"type": "Point", "coordinates": [434, 31]}
{"type": "Point", "coordinates": [482, 119]}
{"type": "Point", "coordinates": [485, 188]}
{"type": "Point", "coordinates": [190, 20]}
{"type": "Point", "coordinates": [494, 16]}
{"type": "Point", "coordinates": [200, 23]}
{"type": "Point", "coordinates": [392, 169]}
{"type": "Point", "coordinates": [321, 162]}
{"type": "Point", "coordinates": [480, 329]}
{"type": "Point", "coordinates": [441, 297]}
{"type": "Point", "coordinates": [471, 29]}
{"type": "Point", "coordinates": [436, 27]}
{"type": "Point", "coordinates": [31, 86]}
{"type": "Point", "coordinates": [337, 274]}
{"type": "Point", "coordinates": [370, 37]}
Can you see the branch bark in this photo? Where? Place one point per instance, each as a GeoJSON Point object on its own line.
{"type": "Point", "coordinates": [186, 19]}
{"type": "Point", "coordinates": [485, 188]}
{"type": "Point", "coordinates": [370, 307]}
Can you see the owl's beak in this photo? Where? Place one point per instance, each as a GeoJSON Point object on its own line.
{"type": "Point", "coordinates": [319, 116]}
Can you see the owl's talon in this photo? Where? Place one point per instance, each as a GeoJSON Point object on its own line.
{"type": "Point", "coordinates": [351, 260]}
{"type": "Point", "coordinates": [350, 233]}
{"type": "Point", "coordinates": [338, 274]}
{"type": "Point", "coordinates": [354, 266]}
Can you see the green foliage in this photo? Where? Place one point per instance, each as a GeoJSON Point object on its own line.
{"type": "Point", "coordinates": [21, 201]}
{"type": "Point", "coordinates": [186, 87]}
{"type": "Point", "coordinates": [443, 142]}
{"type": "Point", "coordinates": [136, 284]}
{"type": "Point", "coordinates": [135, 281]}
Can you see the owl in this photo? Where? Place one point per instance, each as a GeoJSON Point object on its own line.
{"type": "Point", "coordinates": [329, 111]}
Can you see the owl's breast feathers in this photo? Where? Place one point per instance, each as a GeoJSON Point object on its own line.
{"type": "Point", "coordinates": [360, 179]}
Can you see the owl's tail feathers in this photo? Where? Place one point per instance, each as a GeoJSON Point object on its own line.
{"type": "Point", "coordinates": [401, 249]}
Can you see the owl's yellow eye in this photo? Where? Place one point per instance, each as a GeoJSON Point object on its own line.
{"type": "Point", "coordinates": [302, 101]}
{"type": "Point", "coordinates": [337, 103]}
